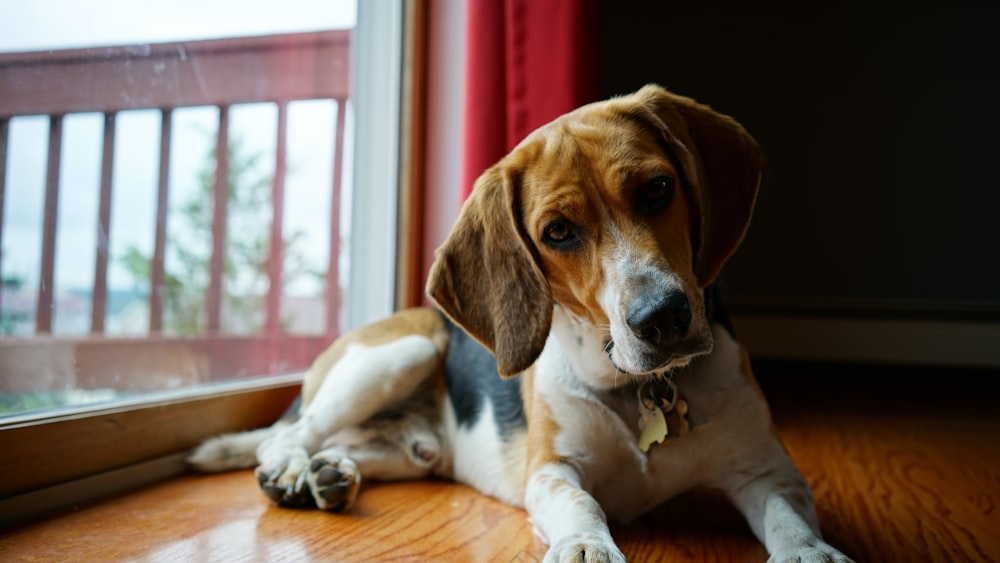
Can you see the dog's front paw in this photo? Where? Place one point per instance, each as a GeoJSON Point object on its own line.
{"type": "Point", "coordinates": [285, 482]}
{"type": "Point", "coordinates": [334, 481]}
{"type": "Point", "coordinates": [820, 553]}
{"type": "Point", "coordinates": [584, 548]}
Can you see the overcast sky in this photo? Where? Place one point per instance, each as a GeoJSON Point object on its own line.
{"type": "Point", "coordinates": [29, 25]}
{"type": "Point", "coordinates": [56, 24]}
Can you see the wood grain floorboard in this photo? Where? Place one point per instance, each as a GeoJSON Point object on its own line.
{"type": "Point", "coordinates": [901, 473]}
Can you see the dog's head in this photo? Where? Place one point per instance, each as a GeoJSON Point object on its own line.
{"type": "Point", "coordinates": [622, 212]}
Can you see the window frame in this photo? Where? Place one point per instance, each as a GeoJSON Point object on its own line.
{"type": "Point", "coordinates": [69, 450]}
{"type": "Point", "coordinates": [67, 447]}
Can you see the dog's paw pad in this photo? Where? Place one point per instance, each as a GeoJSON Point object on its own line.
{"type": "Point", "coordinates": [285, 484]}
{"type": "Point", "coordinates": [334, 482]}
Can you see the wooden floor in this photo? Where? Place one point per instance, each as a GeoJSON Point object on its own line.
{"type": "Point", "coordinates": [905, 466]}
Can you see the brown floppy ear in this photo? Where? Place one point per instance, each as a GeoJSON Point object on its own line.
{"type": "Point", "coordinates": [723, 164]}
{"type": "Point", "coordinates": [486, 279]}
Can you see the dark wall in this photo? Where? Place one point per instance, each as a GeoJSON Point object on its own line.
{"type": "Point", "coordinates": [881, 129]}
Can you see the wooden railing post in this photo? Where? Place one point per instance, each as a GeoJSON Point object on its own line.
{"type": "Point", "coordinates": [99, 299]}
{"type": "Point", "coordinates": [276, 255]}
{"type": "Point", "coordinates": [220, 201]}
{"type": "Point", "coordinates": [157, 270]}
{"type": "Point", "coordinates": [333, 268]}
{"type": "Point", "coordinates": [50, 219]}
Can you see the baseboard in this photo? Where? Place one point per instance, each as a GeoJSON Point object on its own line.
{"type": "Point", "coordinates": [88, 489]}
{"type": "Point", "coordinates": [926, 342]}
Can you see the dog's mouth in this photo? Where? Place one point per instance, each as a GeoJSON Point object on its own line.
{"type": "Point", "coordinates": [654, 362]}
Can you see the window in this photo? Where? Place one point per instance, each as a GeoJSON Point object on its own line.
{"type": "Point", "coordinates": [178, 219]}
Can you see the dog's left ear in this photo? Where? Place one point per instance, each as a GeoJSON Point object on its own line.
{"type": "Point", "coordinates": [486, 278]}
{"type": "Point", "coordinates": [724, 165]}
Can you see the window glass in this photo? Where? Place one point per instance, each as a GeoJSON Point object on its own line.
{"type": "Point", "coordinates": [122, 275]}
{"type": "Point", "coordinates": [22, 222]}
{"type": "Point", "coordinates": [133, 212]}
{"type": "Point", "coordinates": [76, 230]}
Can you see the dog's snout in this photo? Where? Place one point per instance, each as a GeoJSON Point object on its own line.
{"type": "Point", "coordinates": [661, 320]}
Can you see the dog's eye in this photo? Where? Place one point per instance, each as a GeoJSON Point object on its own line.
{"type": "Point", "coordinates": [559, 235]}
{"type": "Point", "coordinates": [655, 194]}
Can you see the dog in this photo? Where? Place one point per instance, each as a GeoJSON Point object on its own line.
{"type": "Point", "coordinates": [577, 364]}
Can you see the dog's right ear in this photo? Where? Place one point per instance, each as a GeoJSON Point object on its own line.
{"type": "Point", "coordinates": [486, 278]}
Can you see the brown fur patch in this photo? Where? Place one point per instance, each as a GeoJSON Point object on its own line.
{"type": "Point", "coordinates": [486, 279]}
{"type": "Point", "coordinates": [542, 427]}
{"type": "Point", "coordinates": [591, 179]}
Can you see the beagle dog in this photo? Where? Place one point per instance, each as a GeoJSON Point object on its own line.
{"type": "Point", "coordinates": [577, 364]}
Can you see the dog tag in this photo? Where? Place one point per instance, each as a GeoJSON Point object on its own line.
{"type": "Point", "coordinates": [676, 419]}
{"type": "Point", "coordinates": [662, 413]}
{"type": "Point", "coordinates": [654, 428]}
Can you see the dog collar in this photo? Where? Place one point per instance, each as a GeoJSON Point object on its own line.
{"type": "Point", "coordinates": [662, 412]}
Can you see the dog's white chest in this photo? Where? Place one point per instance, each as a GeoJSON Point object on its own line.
{"type": "Point", "coordinates": [601, 437]}
{"type": "Point", "coordinates": [600, 430]}
{"type": "Point", "coordinates": [626, 481]}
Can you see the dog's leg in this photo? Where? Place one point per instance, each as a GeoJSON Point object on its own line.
{"type": "Point", "coordinates": [367, 379]}
{"type": "Point", "coordinates": [778, 504]}
{"type": "Point", "coordinates": [568, 518]}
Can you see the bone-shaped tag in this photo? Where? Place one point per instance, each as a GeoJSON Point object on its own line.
{"type": "Point", "coordinates": [654, 429]}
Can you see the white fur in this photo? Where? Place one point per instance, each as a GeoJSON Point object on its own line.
{"type": "Point", "coordinates": [367, 379]}
{"type": "Point", "coordinates": [478, 455]}
{"type": "Point", "coordinates": [229, 451]}
{"type": "Point", "coordinates": [363, 382]}
{"type": "Point", "coordinates": [604, 476]}
{"type": "Point", "coordinates": [607, 476]}
{"type": "Point", "coordinates": [627, 272]}
{"type": "Point", "coordinates": [567, 518]}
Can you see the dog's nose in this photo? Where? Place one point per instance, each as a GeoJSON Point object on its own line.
{"type": "Point", "coordinates": [663, 319]}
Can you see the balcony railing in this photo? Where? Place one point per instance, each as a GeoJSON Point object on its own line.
{"type": "Point", "coordinates": [277, 69]}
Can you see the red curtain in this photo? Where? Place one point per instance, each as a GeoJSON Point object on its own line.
{"type": "Point", "coordinates": [528, 61]}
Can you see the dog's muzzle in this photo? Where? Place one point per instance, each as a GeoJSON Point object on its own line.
{"type": "Point", "coordinates": [660, 334]}
{"type": "Point", "coordinates": [663, 320]}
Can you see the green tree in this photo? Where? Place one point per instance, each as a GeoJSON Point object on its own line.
{"type": "Point", "coordinates": [249, 215]}
{"type": "Point", "coordinates": [9, 319]}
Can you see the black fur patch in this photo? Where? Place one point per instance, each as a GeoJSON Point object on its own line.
{"type": "Point", "coordinates": [473, 380]}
